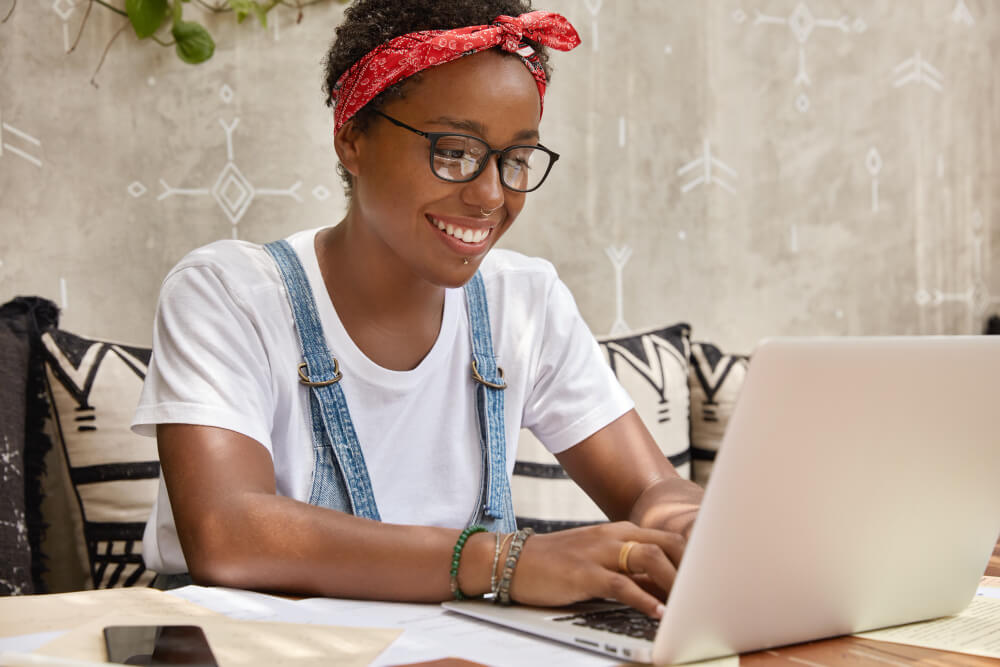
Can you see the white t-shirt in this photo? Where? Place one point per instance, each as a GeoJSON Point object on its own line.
{"type": "Point", "coordinates": [225, 354]}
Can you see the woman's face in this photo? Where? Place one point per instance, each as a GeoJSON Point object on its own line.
{"type": "Point", "coordinates": [402, 204]}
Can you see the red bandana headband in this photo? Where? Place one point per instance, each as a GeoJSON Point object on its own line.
{"type": "Point", "coordinates": [408, 54]}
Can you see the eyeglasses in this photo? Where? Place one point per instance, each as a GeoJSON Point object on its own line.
{"type": "Point", "coordinates": [460, 158]}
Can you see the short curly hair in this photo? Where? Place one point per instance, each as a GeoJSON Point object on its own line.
{"type": "Point", "coordinates": [369, 23]}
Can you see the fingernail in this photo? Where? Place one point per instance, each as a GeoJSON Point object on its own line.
{"type": "Point", "coordinates": [659, 610]}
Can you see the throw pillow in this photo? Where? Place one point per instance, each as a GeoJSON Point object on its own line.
{"type": "Point", "coordinates": [652, 366]}
{"type": "Point", "coordinates": [15, 549]}
{"type": "Point", "coordinates": [716, 380]}
{"type": "Point", "coordinates": [94, 388]}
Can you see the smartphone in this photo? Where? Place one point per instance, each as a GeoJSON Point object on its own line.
{"type": "Point", "coordinates": [158, 645]}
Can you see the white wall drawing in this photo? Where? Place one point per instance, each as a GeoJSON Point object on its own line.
{"type": "Point", "coordinates": [594, 7]}
{"type": "Point", "coordinates": [977, 296]}
{"type": "Point", "coordinates": [619, 258]}
{"type": "Point", "coordinates": [873, 163]}
{"type": "Point", "coordinates": [801, 22]}
{"type": "Point", "coordinates": [64, 9]}
{"type": "Point", "coordinates": [14, 150]}
{"type": "Point", "coordinates": [961, 14]}
{"type": "Point", "coordinates": [232, 190]}
{"type": "Point", "coordinates": [917, 70]}
{"type": "Point", "coordinates": [707, 162]}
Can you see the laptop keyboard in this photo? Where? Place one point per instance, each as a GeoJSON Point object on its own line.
{"type": "Point", "coordinates": [624, 621]}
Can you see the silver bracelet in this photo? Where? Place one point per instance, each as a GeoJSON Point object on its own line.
{"type": "Point", "coordinates": [493, 570]}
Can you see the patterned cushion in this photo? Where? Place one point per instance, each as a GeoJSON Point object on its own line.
{"type": "Point", "coordinates": [716, 380]}
{"type": "Point", "coordinates": [653, 367]}
{"type": "Point", "coordinates": [94, 388]}
{"type": "Point", "coordinates": [15, 549]}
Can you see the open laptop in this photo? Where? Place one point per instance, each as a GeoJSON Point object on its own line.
{"type": "Point", "coordinates": [857, 487]}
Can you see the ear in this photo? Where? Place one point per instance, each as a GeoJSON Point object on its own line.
{"type": "Point", "coordinates": [347, 144]}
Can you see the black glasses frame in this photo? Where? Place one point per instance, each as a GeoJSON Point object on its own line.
{"type": "Point", "coordinates": [433, 137]}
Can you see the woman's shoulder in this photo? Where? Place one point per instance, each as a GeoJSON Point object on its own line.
{"type": "Point", "coordinates": [227, 255]}
{"type": "Point", "coordinates": [241, 269]}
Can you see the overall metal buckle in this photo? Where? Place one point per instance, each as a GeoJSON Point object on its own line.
{"type": "Point", "coordinates": [479, 378]}
{"type": "Point", "coordinates": [304, 379]}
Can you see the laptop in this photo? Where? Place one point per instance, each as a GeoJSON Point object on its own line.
{"type": "Point", "coordinates": [857, 487]}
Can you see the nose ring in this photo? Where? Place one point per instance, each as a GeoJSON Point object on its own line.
{"type": "Point", "coordinates": [488, 212]}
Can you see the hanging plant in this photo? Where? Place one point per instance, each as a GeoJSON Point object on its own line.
{"type": "Point", "coordinates": [191, 40]}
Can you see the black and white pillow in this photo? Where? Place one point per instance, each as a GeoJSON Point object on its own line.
{"type": "Point", "coordinates": [716, 380]}
{"type": "Point", "coordinates": [652, 366]}
{"type": "Point", "coordinates": [15, 548]}
{"type": "Point", "coordinates": [94, 387]}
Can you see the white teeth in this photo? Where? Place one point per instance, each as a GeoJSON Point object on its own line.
{"type": "Point", "coordinates": [463, 234]}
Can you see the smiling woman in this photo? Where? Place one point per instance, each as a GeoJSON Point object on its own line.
{"type": "Point", "coordinates": [337, 412]}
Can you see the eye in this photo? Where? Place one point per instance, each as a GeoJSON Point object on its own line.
{"type": "Point", "coordinates": [456, 148]}
{"type": "Point", "coordinates": [515, 163]}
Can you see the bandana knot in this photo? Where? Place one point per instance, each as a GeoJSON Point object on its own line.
{"type": "Point", "coordinates": [512, 37]}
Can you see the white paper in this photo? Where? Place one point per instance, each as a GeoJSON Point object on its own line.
{"type": "Point", "coordinates": [27, 643]}
{"type": "Point", "coordinates": [430, 633]}
{"type": "Point", "coordinates": [988, 592]}
{"type": "Point", "coordinates": [976, 630]}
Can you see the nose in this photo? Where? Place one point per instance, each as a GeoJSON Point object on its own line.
{"type": "Point", "coordinates": [486, 191]}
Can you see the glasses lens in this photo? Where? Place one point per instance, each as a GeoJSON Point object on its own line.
{"type": "Point", "coordinates": [524, 167]}
{"type": "Point", "coordinates": [460, 158]}
{"type": "Point", "coordinates": [457, 157]}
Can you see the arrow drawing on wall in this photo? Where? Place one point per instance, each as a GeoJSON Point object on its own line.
{"type": "Point", "coordinates": [961, 14]}
{"type": "Point", "coordinates": [917, 70]}
{"type": "Point", "coordinates": [707, 162]}
{"type": "Point", "coordinates": [619, 258]}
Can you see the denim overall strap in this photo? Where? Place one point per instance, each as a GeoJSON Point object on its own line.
{"type": "Point", "coordinates": [496, 509]}
{"type": "Point", "coordinates": [340, 477]}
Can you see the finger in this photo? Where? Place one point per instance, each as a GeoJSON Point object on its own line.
{"type": "Point", "coordinates": [645, 583]}
{"type": "Point", "coordinates": [672, 544]}
{"type": "Point", "coordinates": [621, 588]}
{"type": "Point", "coordinates": [652, 561]}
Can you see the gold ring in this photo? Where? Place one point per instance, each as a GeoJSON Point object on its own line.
{"type": "Point", "coordinates": [623, 556]}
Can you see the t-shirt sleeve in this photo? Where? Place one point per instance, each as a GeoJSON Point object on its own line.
{"type": "Point", "coordinates": [575, 393]}
{"type": "Point", "coordinates": [209, 366]}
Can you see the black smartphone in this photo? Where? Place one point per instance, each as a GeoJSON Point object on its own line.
{"type": "Point", "coordinates": [158, 645]}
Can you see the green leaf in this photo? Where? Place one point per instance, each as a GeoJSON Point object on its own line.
{"type": "Point", "coordinates": [194, 44]}
{"type": "Point", "coordinates": [146, 15]}
{"type": "Point", "coordinates": [244, 8]}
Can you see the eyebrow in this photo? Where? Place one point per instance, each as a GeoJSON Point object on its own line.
{"type": "Point", "coordinates": [477, 127]}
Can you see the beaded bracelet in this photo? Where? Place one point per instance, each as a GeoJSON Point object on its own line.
{"type": "Point", "coordinates": [503, 592]}
{"type": "Point", "coordinates": [457, 555]}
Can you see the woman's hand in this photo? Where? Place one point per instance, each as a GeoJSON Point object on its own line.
{"type": "Point", "coordinates": [583, 563]}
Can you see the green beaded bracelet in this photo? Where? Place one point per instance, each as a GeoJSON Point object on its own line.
{"type": "Point", "coordinates": [457, 555]}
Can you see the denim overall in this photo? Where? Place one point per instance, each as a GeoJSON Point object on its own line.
{"type": "Point", "coordinates": [340, 478]}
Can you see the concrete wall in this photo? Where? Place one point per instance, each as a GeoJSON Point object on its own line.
{"type": "Point", "coordinates": [753, 167]}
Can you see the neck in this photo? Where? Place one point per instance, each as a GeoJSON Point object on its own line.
{"type": "Point", "coordinates": [393, 315]}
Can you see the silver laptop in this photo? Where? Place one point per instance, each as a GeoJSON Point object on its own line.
{"type": "Point", "coordinates": [857, 487]}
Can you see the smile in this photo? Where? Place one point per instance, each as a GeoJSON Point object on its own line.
{"type": "Point", "coordinates": [464, 234]}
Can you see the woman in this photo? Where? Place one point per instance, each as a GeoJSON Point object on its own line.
{"type": "Point", "coordinates": [321, 429]}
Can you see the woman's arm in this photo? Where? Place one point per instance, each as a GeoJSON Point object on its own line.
{"type": "Point", "coordinates": [236, 531]}
{"type": "Point", "coordinates": [623, 470]}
